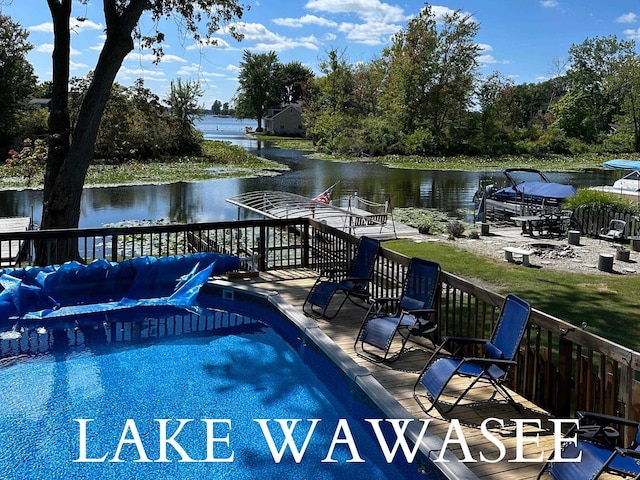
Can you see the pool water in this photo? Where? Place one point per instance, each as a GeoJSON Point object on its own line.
{"type": "Point", "coordinates": [249, 372]}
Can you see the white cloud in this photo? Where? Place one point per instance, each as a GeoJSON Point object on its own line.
{"type": "Point", "coordinates": [627, 18]}
{"type": "Point", "coordinates": [75, 26]}
{"type": "Point", "coordinates": [369, 33]}
{"type": "Point", "coordinates": [150, 57]}
{"type": "Point", "coordinates": [145, 73]}
{"type": "Point", "coordinates": [73, 66]}
{"type": "Point", "coordinates": [484, 60]}
{"type": "Point", "coordinates": [367, 10]}
{"type": "Point", "coordinates": [48, 48]}
{"type": "Point", "coordinates": [267, 40]}
{"type": "Point", "coordinates": [304, 20]}
{"type": "Point", "coordinates": [633, 34]}
{"type": "Point", "coordinates": [196, 70]}
{"type": "Point", "coordinates": [549, 3]}
{"type": "Point", "coordinates": [216, 42]}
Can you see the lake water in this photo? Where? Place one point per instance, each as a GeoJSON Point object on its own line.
{"type": "Point", "coordinates": [205, 201]}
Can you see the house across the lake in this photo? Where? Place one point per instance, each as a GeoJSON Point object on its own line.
{"type": "Point", "coordinates": [284, 120]}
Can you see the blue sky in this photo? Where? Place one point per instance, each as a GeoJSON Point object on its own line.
{"type": "Point", "coordinates": [526, 40]}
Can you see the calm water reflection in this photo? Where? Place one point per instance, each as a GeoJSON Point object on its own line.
{"type": "Point", "coordinates": [205, 201]}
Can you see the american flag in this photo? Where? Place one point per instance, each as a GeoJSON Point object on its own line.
{"type": "Point", "coordinates": [325, 197]}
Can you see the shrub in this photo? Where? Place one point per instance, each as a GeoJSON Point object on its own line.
{"type": "Point", "coordinates": [455, 228]}
{"type": "Point", "coordinates": [595, 199]}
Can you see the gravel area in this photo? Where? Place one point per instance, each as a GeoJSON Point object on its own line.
{"type": "Point", "coordinates": [548, 252]}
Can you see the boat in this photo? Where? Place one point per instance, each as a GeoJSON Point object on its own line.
{"type": "Point", "coordinates": [626, 187]}
{"type": "Point", "coordinates": [527, 192]}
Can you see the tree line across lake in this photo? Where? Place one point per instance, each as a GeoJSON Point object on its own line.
{"type": "Point", "coordinates": [423, 96]}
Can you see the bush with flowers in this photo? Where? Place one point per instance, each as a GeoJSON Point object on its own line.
{"type": "Point", "coordinates": [29, 162]}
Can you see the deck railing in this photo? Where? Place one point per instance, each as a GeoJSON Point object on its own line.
{"type": "Point", "coordinates": [562, 368]}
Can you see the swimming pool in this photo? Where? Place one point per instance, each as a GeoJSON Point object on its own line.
{"type": "Point", "coordinates": [217, 381]}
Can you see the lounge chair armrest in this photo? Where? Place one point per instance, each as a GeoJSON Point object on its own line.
{"type": "Point", "coordinates": [490, 361]}
{"type": "Point", "coordinates": [468, 340]}
{"type": "Point", "coordinates": [459, 343]}
{"type": "Point", "coordinates": [601, 418]}
{"type": "Point", "coordinates": [421, 312]}
{"type": "Point", "coordinates": [628, 452]}
{"type": "Point", "coordinates": [357, 279]}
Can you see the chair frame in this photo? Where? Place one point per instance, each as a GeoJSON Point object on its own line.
{"type": "Point", "coordinates": [618, 233]}
{"type": "Point", "coordinates": [600, 440]}
{"type": "Point", "coordinates": [355, 288]}
{"type": "Point", "coordinates": [488, 367]}
{"type": "Point", "coordinates": [410, 322]}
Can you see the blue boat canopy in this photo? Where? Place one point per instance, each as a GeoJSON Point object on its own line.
{"type": "Point", "coordinates": [546, 190]}
{"type": "Point", "coordinates": [622, 164]}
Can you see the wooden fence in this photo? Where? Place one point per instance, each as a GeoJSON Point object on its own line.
{"type": "Point", "coordinates": [591, 221]}
{"type": "Point", "coordinates": [561, 367]}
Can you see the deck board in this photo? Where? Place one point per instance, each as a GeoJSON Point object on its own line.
{"type": "Point", "coordinates": [10, 250]}
{"type": "Point", "coordinates": [399, 377]}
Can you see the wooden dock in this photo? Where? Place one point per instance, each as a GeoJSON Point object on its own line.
{"type": "Point", "coordinates": [399, 377]}
{"type": "Point", "coordinates": [10, 250]}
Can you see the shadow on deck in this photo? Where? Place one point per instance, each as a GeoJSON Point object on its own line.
{"type": "Point", "coordinates": [399, 377]}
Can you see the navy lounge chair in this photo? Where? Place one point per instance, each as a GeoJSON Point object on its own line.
{"type": "Point", "coordinates": [413, 317]}
{"type": "Point", "coordinates": [353, 283]}
{"type": "Point", "coordinates": [599, 453]}
{"type": "Point", "coordinates": [499, 356]}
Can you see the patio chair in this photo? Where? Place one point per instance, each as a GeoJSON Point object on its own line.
{"type": "Point", "coordinates": [615, 231]}
{"type": "Point", "coordinates": [597, 446]}
{"type": "Point", "coordinates": [413, 317]}
{"type": "Point", "coordinates": [492, 368]}
{"type": "Point", "coordinates": [353, 283]}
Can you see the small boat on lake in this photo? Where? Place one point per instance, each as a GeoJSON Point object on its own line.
{"type": "Point", "coordinates": [526, 191]}
{"type": "Point", "coordinates": [628, 186]}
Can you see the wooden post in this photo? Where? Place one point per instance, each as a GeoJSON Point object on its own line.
{"type": "Point", "coordinates": [565, 351]}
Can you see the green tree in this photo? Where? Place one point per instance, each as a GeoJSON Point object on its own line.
{"type": "Point", "coordinates": [432, 73]}
{"type": "Point", "coordinates": [216, 108]}
{"type": "Point", "coordinates": [71, 151]}
{"type": "Point", "coordinates": [330, 112]}
{"type": "Point", "coordinates": [293, 78]}
{"type": "Point", "coordinates": [17, 80]}
{"type": "Point", "coordinates": [587, 111]}
{"type": "Point", "coordinates": [183, 102]}
{"type": "Point", "coordinates": [259, 85]}
{"type": "Point", "coordinates": [500, 115]}
{"type": "Point", "coordinates": [626, 87]}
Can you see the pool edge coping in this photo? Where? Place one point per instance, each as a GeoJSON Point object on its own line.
{"type": "Point", "coordinates": [430, 446]}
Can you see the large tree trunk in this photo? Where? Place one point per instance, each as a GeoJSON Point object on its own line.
{"type": "Point", "coordinates": [68, 162]}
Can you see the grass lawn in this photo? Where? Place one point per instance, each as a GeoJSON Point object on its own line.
{"type": "Point", "coordinates": [606, 303]}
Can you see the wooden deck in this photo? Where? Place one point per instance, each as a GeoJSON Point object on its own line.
{"type": "Point", "coordinates": [10, 250]}
{"type": "Point", "coordinates": [399, 378]}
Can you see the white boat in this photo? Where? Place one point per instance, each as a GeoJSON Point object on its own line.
{"type": "Point", "coordinates": [626, 187]}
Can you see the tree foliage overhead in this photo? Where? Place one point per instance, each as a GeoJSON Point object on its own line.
{"type": "Point", "coordinates": [17, 80]}
{"type": "Point", "coordinates": [71, 150]}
